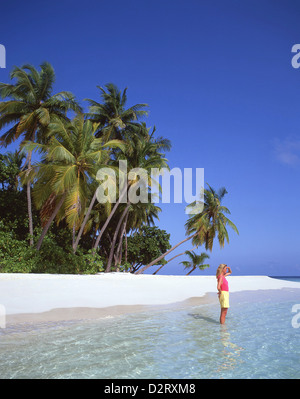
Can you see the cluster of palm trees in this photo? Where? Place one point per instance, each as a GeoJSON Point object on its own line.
{"type": "Point", "coordinates": [62, 184]}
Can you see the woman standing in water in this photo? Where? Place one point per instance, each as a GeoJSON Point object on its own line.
{"type": "Point", "coordinates": [223, 291]}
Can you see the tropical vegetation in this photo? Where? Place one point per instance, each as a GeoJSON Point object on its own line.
{"type": "Point", "coordinates": [51, 218]}
{"type": "Point", "coordinates": [195, 261]}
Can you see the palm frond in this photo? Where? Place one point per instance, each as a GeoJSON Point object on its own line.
{"type": "Point", "coordinates": [65, 176]}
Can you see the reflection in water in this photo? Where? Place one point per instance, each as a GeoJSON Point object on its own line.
{"type": "Point", "coordinates": [230, 353]}
{"type": "Point", "coordinates": [228, 357]}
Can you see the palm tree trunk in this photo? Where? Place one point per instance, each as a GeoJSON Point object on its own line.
{"type": "Point", "coordinates": [75, 245]}
{"type": "Point", "coordinates": [94, 234]}
{"type": "Point", "coordinates": [165, 254]}
{"type": "Point", "coordinates": [112, 249]}
{"type": "Point", "coordinates": [109, 218]}
{"type": "Point", "coordinates": [28, 189]}
{"type": "Point", "coordinates": [119, 249]}
{"type": "Point", "coordinates": [160, 267]}
{"type": "Point", "coordinates": [190, 271]}
{"type": "Point", "coordinates": [50, 220]}
{"type": "Point", "coordinates": [29, 205]}
{"type": "Point", "coordinates": [73, 234]}
{"type": "Point", "coordinates": [126, 246]}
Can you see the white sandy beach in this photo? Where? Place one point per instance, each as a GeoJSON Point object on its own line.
{"type": "Point", "coordinates": [42, 297]}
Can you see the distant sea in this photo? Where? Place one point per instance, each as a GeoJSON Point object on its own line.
{"type": "Point", "coordinates": [288, 278]}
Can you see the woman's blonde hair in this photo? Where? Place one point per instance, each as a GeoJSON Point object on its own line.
{"type": "Point", "coordinates": [219, 269]}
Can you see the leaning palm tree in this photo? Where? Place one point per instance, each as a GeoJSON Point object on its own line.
{"type": "Point", "coordinates": [29, 109]}
{"type": "Point", "coordinates": [141, 214]}
{"type": "Point", "coordinates": [111, 114]}
{"type": "Point", "coordinates": [202, 227]}
{"type": "Point", "coordinates": [70, 161]}
{"type": "Point", "coordinates": [212, 221]}
{"type": "Point", "coordinates": [144, 154]}
{"type": "Point", "coordinates": [169, 260]}
{"type": "Point", "coordinates": [94, 214]}
{"type": "Point", "coordinates": [135, 136]}
{"type": "Point", "coordinates": [195, 261]}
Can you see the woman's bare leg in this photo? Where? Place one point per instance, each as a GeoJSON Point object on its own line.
{"type": "Point", "coordinates": [223, 315]}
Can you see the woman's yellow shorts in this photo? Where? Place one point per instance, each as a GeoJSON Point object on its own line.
{"type": "Point", "coordinates": [224, 299]}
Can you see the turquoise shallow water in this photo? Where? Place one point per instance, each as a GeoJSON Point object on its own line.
{"type": "Point", "coordinates": [258, 341]}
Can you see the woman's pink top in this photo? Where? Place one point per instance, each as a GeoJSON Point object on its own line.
{"type": "Point", "coordinates": [224, 284]}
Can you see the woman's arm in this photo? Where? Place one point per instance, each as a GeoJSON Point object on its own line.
{"type": "Point", "coordinates": [228, 271]}
{"type": "Point", "coordinates": [219, 285]}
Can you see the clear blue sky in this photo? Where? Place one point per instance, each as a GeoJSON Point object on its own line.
{"type": "Point", "coordinates": [218, 78]}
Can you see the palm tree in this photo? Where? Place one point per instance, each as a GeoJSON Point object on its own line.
{"type": "Point", "coordinates": [134, 136]}
{"type": "Point", "coordinates": [141, 214]}
{"type": "Point", "coordinates": [115, 236]}
{"type": "Point", "coordinates": [112, 119]}
{"type": "Point", "coordinates": [137, 215]}
{"type": "Point", "coordinates": [203, 227]}
{"type": "Point", "coordinates": [29, 109]}
{"type": "Point", "coordinates": [111, 114]}
{"type": "Point", "coordinates": [212, 221]}
{"type": "Point", "coordinates": [195, 261]}
{"type": "Point", "coordinates": [176, 256]}
{"type": "Point", "coordinates": [143, 153]}
{"type": "Point", "coordinates": [15, 158]}
{"type": "Point", "coordinates": [71, 160]}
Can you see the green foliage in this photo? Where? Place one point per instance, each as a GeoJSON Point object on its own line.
{"type": "Point", "coordinates": [13, 211]}
{"type": "Point", "coordinates": [17, 257]}
{"type": "Point", "coordinates": [196, 261]}
{"type": "Point", "coordinates": [211, 220]}
{"type": "Point", "coordinates": [30, 105]}
{"type": "Point", "coordinates": [91, 263]}
{"type": "Point", "coordinates": [111, 115]}
{"type": "Point", "coordinates": [125, 267]}
{"type": "Point", "coordinates": [8, 172]}
{"type": "Point", "coordinates": [147, 244]}
{"type": "Point", "coordinates": [71, 157]}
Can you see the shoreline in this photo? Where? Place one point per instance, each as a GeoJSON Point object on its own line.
{"type": "Point", "coordinates": [41, 298]}
{"type": "Point", "coordinates": [86, 314]}
{"type": "Point", "coordinates": [80, 314]}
